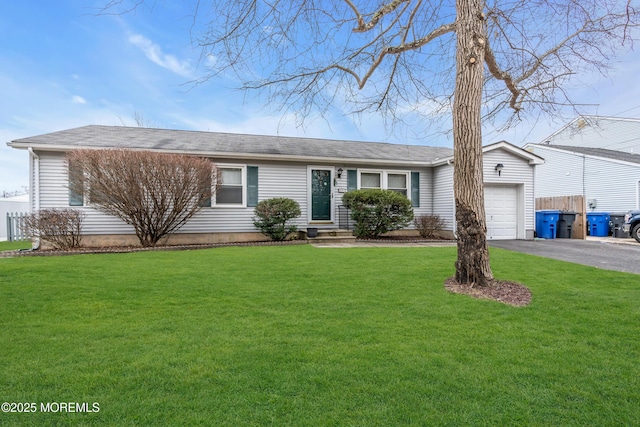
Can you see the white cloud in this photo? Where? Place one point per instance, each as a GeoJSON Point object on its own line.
{"type": "Point", "coordinates": [78, 100]}
{"type": "Point", "coordinates": [211, 60]}
{"type": "Point", "coordinates": [154, 53]}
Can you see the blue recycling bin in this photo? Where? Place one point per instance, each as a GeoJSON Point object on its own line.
{"type": "Point", "coordinates": [547, 223]}
{"type": "Point", "coordinates": [598, 223]}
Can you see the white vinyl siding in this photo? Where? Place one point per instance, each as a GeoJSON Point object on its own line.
{"type": "Point", "coordinates": [443, 201]}
{"type": "Point", "coordinates": [54, 181]}
{"type": "Point", "coordinates": [275, 180]}
{"type": "Point", "coordinates": [560, 175]}
{"type": "Point", "coordinates": [516, 177]}
{"type": "Point", "coordinates": [516, 173]}
{"type": "Point", "coordinates": [613, 184]}
{"type": "Point", "coordinates": [290, 179]}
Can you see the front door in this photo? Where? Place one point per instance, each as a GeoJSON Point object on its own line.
{"type": "Point", "coordinates": [320, 195]}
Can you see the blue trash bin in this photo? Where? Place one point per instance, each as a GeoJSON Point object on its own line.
{"type": "Point", "coordinates": [547, 223]}
{"type": "Point", "coordinates": [598, 223]}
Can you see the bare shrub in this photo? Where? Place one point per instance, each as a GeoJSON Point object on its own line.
{"type": "Point", "coordinates": [156, 193]}
{"type": "Point", "coordinates": [60, 227]}
{"type": "Point", "coordinates": [429, 226]}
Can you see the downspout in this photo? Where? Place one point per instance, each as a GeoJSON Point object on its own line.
{"type": "Point", "coordinates": [584, 186]}
{"type": "Point", "coordinates": [35, 191]}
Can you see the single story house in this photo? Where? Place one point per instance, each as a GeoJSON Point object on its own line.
{"type": "Point", "coordinates": [597, 157]}
{"type": "Point", "coordinates": [314, 172]}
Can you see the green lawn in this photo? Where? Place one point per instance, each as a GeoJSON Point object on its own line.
{"type": "Point", "coordinates": [296, 335]}
{"type": "Point", "coordinates": [12, 246]}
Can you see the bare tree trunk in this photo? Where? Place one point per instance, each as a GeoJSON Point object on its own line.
{"type": "Point", "coordinates": [472, 265]}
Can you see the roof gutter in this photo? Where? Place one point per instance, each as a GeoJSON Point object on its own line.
{"type": "Point", "coordinates": [247, 156]}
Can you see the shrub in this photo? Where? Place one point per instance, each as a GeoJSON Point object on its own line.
{"type": "Point", "coordinates": [60, 227]}
{"type": "Point", "coordinates": [271, 217]}
{"type": "Point", "coordinates": [429, 226]}
{"type": "Point", "coordinates": [377, 211]}
{"type": "Point", "coordinates": [156, 193]}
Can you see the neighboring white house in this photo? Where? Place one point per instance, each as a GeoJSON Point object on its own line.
{"type": "Point", "coordinates": [11, 205]}
{"type": "Point", "coordinates": [272, 166]}
{"type": "Point", "coordinates": [597, 157]}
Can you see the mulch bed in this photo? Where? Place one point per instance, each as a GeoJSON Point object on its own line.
{"type": "Point", "coordinates": [510, 293]}
{"type": "Point", "coordinates": [127, 249]}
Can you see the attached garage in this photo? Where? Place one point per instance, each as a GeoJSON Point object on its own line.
{"type": "Point", "coordinates": [501, 208]}
{"type": "Point", "coordinates": [508, 175]}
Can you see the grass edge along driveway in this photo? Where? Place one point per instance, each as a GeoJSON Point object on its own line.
{"type": "Point", "coordinates": [304, 336]}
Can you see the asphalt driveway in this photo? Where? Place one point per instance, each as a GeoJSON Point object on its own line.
{"type": "Point", "coordinates": [608, 254]}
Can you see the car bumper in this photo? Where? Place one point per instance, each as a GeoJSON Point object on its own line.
{"type": "Point", "coordinates": [626, 228]}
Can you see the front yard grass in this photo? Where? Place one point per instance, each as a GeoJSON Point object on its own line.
{"type": "Point", "coordinates": [15, 245]}
{"type": "Point", "coordinates": [297, 335]}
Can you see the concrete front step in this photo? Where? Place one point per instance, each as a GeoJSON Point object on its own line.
{"type": "Point", "coordinates": [331, 236]}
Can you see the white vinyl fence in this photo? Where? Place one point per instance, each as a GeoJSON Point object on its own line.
{"type": "Point", "coordinates": [14, 226]}
{"type": "Point", "coordinates": [11, 209]}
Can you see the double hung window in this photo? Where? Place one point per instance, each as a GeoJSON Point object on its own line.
{"type": "Point", "coordinates": [397, 181]}
{"type": "Point", "coordinates": [231, 187]}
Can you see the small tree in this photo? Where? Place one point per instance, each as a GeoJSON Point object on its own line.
{"type": "Point", "coordinates": [377, 211]}
{"type": "Point", "coordinates": [156, 193]}
{"type": "Point", "coordinates": [60, 227]}
{"type": "Point", "coordinates": [272, 216]}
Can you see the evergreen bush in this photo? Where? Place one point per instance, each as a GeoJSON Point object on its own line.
{"type": "Point", "coordinates": [272, 215]}
{"type": "Point", "coordinates": [377, 211]}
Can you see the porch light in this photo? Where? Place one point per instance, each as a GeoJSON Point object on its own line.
{"type": "Point", "coordinates": [339, 172]}
{"type": "Point", "coordinates": [499, 168]}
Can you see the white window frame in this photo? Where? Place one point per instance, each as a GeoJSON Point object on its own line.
{"type": "Point", "coordinates": [407, 181]}
{"type": "Point", "coordinates": [371, 171]}
{"type": "Point", "coordinates": [384, 178]}
{"type": "Point", "coordinates": [243, 174]}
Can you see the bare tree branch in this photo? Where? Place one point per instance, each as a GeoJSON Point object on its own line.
{"type": "Point", "coordinates": [384, 10]}
{"type": "Point", "coordinates": [155, 193]}
{"type": "Point", "coordinates": [400, 57]}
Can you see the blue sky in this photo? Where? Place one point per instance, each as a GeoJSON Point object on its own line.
{"type": "Point", "coordinates": [61, 66]}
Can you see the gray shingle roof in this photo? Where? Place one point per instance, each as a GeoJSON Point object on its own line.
{"type": "Point", "coordinates": [232, 145]}
{"type": "Point", "coordinates": [598, 152]}
{"type": "Point", "coordinates": [611, 133]}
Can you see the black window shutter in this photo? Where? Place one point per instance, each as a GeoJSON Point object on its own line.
{"type": "Point", "coordinates": [252, 186]}
{"type": "Point", "coordinates": [352, 179]}
{"type": "Point", "coordinates": [415, 189]}
{"type": "Point", "coordinates": [206, 203]}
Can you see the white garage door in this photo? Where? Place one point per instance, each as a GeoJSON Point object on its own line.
{"type": "Point", "coordinates": [501, 207]}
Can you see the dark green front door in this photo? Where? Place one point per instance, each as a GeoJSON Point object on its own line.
{"type": "Point", "coordinates": [320, 195]}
